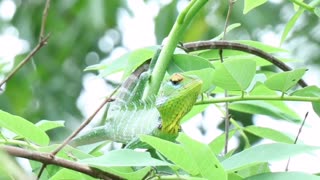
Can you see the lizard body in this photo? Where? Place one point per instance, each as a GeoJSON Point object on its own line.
{"type": "Point", "coordinates": [126, 121]}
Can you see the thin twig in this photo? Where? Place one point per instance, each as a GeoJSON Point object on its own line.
{"type": "Point", "coordinates": [84, 124]}
{"type": "Point", "coordinates": [42, 41]}
{"type": "Point", "coordinates": [297, 137]}
{"type": "Point", "coordinates": [227, 116]}
{"type": "Point", "coordinates": [26, 59]}
{"type": "Point", "coordinates": [44, 20]}
{"type": "Point", "coordinates": [231, 2]}
{"type": "Point", "coordinates": [46, 158]}
{"type": "Point", "coordinates": [77, 131]}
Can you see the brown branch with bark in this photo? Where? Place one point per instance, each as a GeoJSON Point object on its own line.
{"type": "Point", "coordinates": [47, 158]}
{"type": "Point", "coordinates": [205, 45]}
{"type": "Point", "coordinates": [77, 131]}
{"type": "Point", "coordinates": [44, 20]}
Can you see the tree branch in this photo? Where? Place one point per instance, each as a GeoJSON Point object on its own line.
{"type": "Point", "coordinates": [44, 20]}
{"type": "Point", "coordinates": [42, 41]}
{"type": "Point", "coordinates": [259, 97]}
{"type": "Point", "coordinates": [202, 45]}
{"type": "Point", "coordinates": [47, 158]}
{"type": "Point", "coordinates": [83, 125]}
{"type": "Point", "coordinates": [77, 131]}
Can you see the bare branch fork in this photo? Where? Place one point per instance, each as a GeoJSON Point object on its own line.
{"type": "Point", "coordinates": [26, 59]}
{"type": "Point", "coordinates": [42, 41]}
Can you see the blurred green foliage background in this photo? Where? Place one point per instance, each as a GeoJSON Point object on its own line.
{"type": "Point", "coordinates": [48, 87]}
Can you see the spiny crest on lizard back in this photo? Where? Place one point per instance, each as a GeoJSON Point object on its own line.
{"type": "Point", "coordinates": [123, 105]}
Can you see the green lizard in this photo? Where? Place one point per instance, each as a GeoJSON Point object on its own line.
{"type": "Point", "coordinates": [129, 116]}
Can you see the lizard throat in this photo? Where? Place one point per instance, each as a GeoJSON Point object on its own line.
{"type": "Point", "coordinates": [172, 127]}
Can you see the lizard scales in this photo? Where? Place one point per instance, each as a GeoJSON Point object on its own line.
{"type": "Point", "coordinates": [126, 121]}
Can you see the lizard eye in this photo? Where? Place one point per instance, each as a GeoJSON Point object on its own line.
{"type": "Point", "coordinates": [176, 78]}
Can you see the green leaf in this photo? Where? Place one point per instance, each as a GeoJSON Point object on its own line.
{"type": "Point", "coordinates": [290, 25]}
{"type": "Point", "coordinates": [265, 108]}
{"type": "Point", "coordinates": [124, 157]}
{"type": "Point", "coordinates": [68, 152]}
{"type": "Point", "coordinates": [23, 128]}
{"type": "Point", "coordinates": [235, 75]}
{"type": "Point", "coordinates": [234, 176]}
{"type": "Point", "coordinates": [268, 134]}
{"type": "Point", "coordinates": [253, 170]}
{"type": "Point", "coordinates": [262, 46]}
{"type": "Point", "coordinates": [317, 11]}
{"type": "Point", "coordinates": [174, 152]}
{"type": "Point", "coordinates": [275, 109]}
{"type": "Point", "coordinates": [310, 91]}
{"type": "Point", "coordinates": [128, 61]}
{"type": "Point", "coordinates": [136, 58]}
{"type": "Point", "coordinates": [194, 111]}
{"type": "Point", "coordinates": [207, 163]}
{"type": "Point", "coordinates": [207, 77]}
{"type": "Point", "coordinates": [110, 66]}
{"type": "Point", "coordinates": [218, 143]}
{"type": "Point", "coordinates": [285, 80]}
{"type": "Point", "coordinates": [46, 125]}
{"type": "Point", "coordinates": [229, 28]}
{"type": "Point", "coordinates": [251, 4]}
{"type": "Point", "coordinates": [70, 174]}
{"type": "Point", "coordinates": [187, 62]}
{"type": "Point", "coordinates": [163, 24]}
{"type": "Point", "coordinates": [284, 175]}
{"type": "Point", "coordinates": [127, 173]}
{"type": "Point", "coordinates": [10, 169]}
{"type": "Point", "coordinates": [214, 53]}
{"type": "Point", "coordinates": [265, 153]}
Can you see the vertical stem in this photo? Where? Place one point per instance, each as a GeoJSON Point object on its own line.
{"type": "Point", "coordinates": [227, 117]}
{"type": "Point", "coordinates": [175, 34]}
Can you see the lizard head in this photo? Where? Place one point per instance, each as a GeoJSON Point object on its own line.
{"type": "Point", "coordinates": [176, 98]}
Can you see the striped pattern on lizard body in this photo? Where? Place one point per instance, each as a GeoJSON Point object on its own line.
{"type": "Point", "coordinates": [129, 118]}
{"type": "Point", "coordinates": [128, 115]}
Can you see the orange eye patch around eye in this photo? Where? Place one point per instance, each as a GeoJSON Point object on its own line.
{"type": "Point", "coordinates": [176, 78]}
